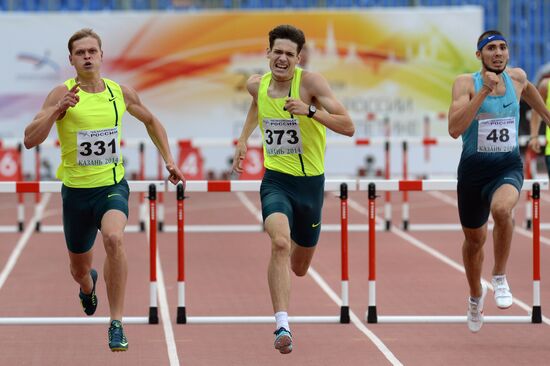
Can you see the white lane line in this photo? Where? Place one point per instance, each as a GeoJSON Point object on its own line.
{"type": "Point", "coordinates": [164, 310]}
{"type": "Point", "coordinates": [354, 318]}
{"type": "Point", "coordinates": [326, 288]}
{"type": "Point", "coordinates": [24, 239]}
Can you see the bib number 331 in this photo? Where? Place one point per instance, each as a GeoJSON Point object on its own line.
{"type": "Point", "coordinates": [98, 147]}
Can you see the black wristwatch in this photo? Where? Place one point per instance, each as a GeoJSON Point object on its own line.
{"type": "Point", "coordinates": [312, 110]}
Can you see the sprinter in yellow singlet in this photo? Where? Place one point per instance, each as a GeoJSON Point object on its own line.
{"type": "Point", "coordinates": [88, 112]}
{"type": "Point", "coordinates": [293, 108]}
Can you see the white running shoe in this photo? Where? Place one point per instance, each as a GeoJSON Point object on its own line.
{"type": "Point", "coordinates": [475, 311]}
{"type": "Point", "coordinates": [503, 296]}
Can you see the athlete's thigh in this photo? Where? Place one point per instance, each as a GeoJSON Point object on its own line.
{"type": "Point", "coordinates": [113, 222]}
{"type": "Point", "coordinates": [109, 198]}
{"type": "Point", "coordinates": [78, 225]}
{"type": "Point", "coordinates": [503, 191]}
{"type": "Point", "coordinates": [506, 196]}
{"type": "Point", "coordinates": [276, 225]}
{"type": "Point", "coordinates": [275, 197]}
{"type": "Point", "coordinates": [473, 210]}
{"type": "Point", "coordinates": [308, 207]}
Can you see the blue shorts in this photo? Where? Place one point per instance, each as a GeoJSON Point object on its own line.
{"type": "Point", "coordinates": [300, 199]}
{"type": "Point", "coordinates": [474, 196]}
{"type": "Point", "coordinates": [83, 209]}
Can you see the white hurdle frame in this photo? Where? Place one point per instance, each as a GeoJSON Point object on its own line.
{"type": "Point", "coordinates": [137, 186]}
{"type": "Point", "coordinates": [253, 186]}
{"type": "Point", "coordinates": [372, 316]}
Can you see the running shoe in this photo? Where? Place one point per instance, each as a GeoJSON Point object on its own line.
{"type": "Point", "coordinates": [475, 311]}
{"type": "Point", "coordinates": [503, 296]}
{"type": "Point", "coordinates": [283, 340]}
{"type": "Point", "coordinates": [117, 339]}
{"type": "Point", "coordinates": [89, 301]}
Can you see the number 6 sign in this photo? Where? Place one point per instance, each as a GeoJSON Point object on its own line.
{"type": "Point", "coordinates": [9, 165]}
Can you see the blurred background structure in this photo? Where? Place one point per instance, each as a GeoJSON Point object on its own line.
{"type": "Point", "coordinates": [524, 22]}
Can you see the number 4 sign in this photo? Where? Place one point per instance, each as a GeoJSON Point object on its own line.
{"type": "Point", "coordinates": [190, 161]}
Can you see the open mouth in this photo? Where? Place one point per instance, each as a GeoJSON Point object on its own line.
{"type": "Point", "coordinates": [281, 67]}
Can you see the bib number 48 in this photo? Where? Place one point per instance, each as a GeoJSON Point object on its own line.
{"type": "Point", "coordinates": [501, 135]}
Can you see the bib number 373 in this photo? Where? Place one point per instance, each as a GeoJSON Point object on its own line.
{"type": "Point", "coordinates": [282, 136]}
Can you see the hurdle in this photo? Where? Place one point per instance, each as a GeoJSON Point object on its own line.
{"type": "Point", "coordinates": [137, 186]}
{"type": "Point", "coordinates": [372, 316]}
{"type": "Point", "coordinates": [254, 186]}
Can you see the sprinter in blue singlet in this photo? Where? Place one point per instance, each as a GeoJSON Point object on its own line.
{"type": "Point", "coordinates": [485, 112]}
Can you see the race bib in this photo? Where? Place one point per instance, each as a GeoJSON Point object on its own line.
{"type": "Point", "coordinates": [282, 136]}
{"type": "Point", "coordinates": [97, 147]}
{"type": "Point", "coordinates": [496, 135]}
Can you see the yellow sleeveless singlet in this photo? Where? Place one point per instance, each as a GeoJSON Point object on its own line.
{"type": "Point", "coordinates": [292, 145]}
{"type": "Point", "coordinates": [89, 135]}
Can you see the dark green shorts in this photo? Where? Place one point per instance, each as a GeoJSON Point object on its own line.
{"type": "Point", "coordinates": [474, 196]}
{"type": "Point", "coordinates": [300, 199]}
{"type": "Point", "coordinates": [83, 209]}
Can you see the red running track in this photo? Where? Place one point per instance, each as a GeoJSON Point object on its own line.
{"type": "Point", "coordinates": [226, 275]}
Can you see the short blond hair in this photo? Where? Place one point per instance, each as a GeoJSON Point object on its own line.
{"type": "Point", "coordinates": [83, 33]}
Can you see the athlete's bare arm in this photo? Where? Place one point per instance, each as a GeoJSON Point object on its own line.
{"type": "Point", "coordinates": [330, 112]}
{"type": "Point", "coordinates": [57, 102]}
{"type": "Point", "coordinates": [465, 104]}
{"type": "Point", "coordinates": [253, 84]}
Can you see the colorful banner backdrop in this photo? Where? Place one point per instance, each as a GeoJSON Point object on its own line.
{"type": "Point", "coordinates": [190, 69]}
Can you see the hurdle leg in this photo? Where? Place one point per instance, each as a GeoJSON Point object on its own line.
{"type": "Point", "coordinates": [181, 314]}
{"type": "Point", "coordinates": [153, 304]}
{"type": "Point", "coordinates": [405, 207]}
{"type": "Point", "coordinates": [371, 313]}
{"type": "Point", "coordinates": [536, 315]}
{"type": "Point", "coordinates": [344, 309]}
